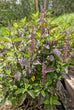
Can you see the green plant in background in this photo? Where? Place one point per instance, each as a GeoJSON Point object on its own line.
{"type": "Point", "coordinates": [31, 61]}
{"type": "Point", "coordinates": [11, 10]}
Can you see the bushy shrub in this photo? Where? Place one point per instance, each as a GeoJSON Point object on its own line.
{"type": "Point", "coordinates": [32, 61]}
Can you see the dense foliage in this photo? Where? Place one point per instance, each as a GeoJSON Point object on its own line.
{"type": "Point", "coordinates": [33, 61]}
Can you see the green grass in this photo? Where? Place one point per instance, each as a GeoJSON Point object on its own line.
{"type": "Point", "coordinates": [66, 20]}
{"type": "Point", "coordinates": [3, 31]}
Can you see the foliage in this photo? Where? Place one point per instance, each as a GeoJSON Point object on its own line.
{"type": "Point", "coordinates": [32, 61]}
{"type": "Point", "coordinates": [66, 20]}
{"type": "Point", "coordinates": [3, 31]}
{"type": "Point", "coordinates": [61, 6]}
{"type": "Point", "coordinates": [10, 10]}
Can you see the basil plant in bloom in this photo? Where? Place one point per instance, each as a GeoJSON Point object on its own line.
{"type": "Point", "coordinates": [31, 62]}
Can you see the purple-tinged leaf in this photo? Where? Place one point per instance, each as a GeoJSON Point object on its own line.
{"type": "Point", "coordinates": [66, 69]}
{"type": "Point", "coordinates": [38, 19]}
{"type": "Point", "coordinates": [46, 46]}
{"type": "Point", "coordinates": [56, 51]}
{"type": "Point", "coordinates": [23, 62]}
{"type": "Point", "coordinates": [22, 35]}
{"type": "Point", "coordinates": [31, 93]}
{"type": "Point", "coordinates": [46, 35]}
{"type": "Point", "coordinates": [19, 32]}
{"type": "Point", "coordinates": [49, 91]}
{"type": "Point", "coordinates": [39, 52]}
{"type": "Point", "coordinates": [51, 69]}
{"type": "Point", "coordinates": [59, 85]}
{"type": "Point", "coordinates": [18, 76]}
{"type": "Point", "coordinates": [67, 77]}
{"type": "Point", "coordinates": [37, 62]}
{"type": "Point", "coordinates": [29, 36]}
{"type": "Point", "coordinates": [72, 68]}
{"type": "Point", "coordinates": [41, 100]}
{"type": "Point", "coordinates": [23, 29]}
{"type": "Point", "coordinates": [50, 57]}
{"type": "Point", "coordinates": [49, 42]}
{"type": "Point", "coordinates": [72, 54]}
{"type": "Point", "coordinates": [29, 42]}
{"type": "Point", "coordinates": [1, 66]}
{"type": "Point", "coordinates": [23, 99]}
{"type": "Point", "coordinates": [10, 59]}
{"type": "Point", "coordinates": [28, 71]}
{"type": "Point", "coordinates": [1, 54]}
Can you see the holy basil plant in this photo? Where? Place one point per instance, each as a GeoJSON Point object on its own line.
{"type": "Point", "coordinates": [32, 62]}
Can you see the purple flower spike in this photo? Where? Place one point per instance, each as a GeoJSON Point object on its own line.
{"type": "Point", "coordinates": [43, 74]}
{"type": "Point", "coordinates": [32, 40]}
{"type": "Point", "coordinates": [66, 45]}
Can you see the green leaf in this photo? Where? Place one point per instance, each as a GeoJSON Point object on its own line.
{"type": "Point", "coordinates": [13, 102]}
{"type": "Point", "coordinates": [34, 55]}
{"type": "Point", "coordinates": [31, 93]}
{"type": "Point", "coordinates": [8, 72]}
{"type": "Point", "coordinates": [8, 32]}
{"type": "Point", "coordinates": [1, 46]}
{"type": "Point", "coordinates": [0, 92]}
{"type": "Point", "coordinates": [21, 99]}
{"type": "Point", "coordinates": [37, 90]}
{"type": "Point", "coordinates": [18, 39]}
{"type": "Point", "coordinates": [26, 86]}
{"type": "Point", "coordinates": [47, 13]}
{"type": "Point", "coordinates": [19, 91]}
{"type": "Point", "coordinates": [46, 107]}
{"type": "Point", "coordinates": [43, 93]}
{"type": "Point", "coordinates": [6, 61]}
{"type": "Point", "coordinates": [14, 87]}
{"type": "Point", "coordinates": [56, 102]}
{"type": "Point", "coordinates": [46, 102]}
{"type": "Point", "coordinates": [24, 19]}
{"type": "Point", "coordinates": [51, 99]}
{"type": "Point", "coordinates": [5, 39]}
{"type": "Point", "coordinates": [35, 84]}
{"type": "Point", "coordinates": [15, 25]}
{"type": "Point", "coordinates": [3, 100]}
{"type": "Point", "coordinates": [10, 97]}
